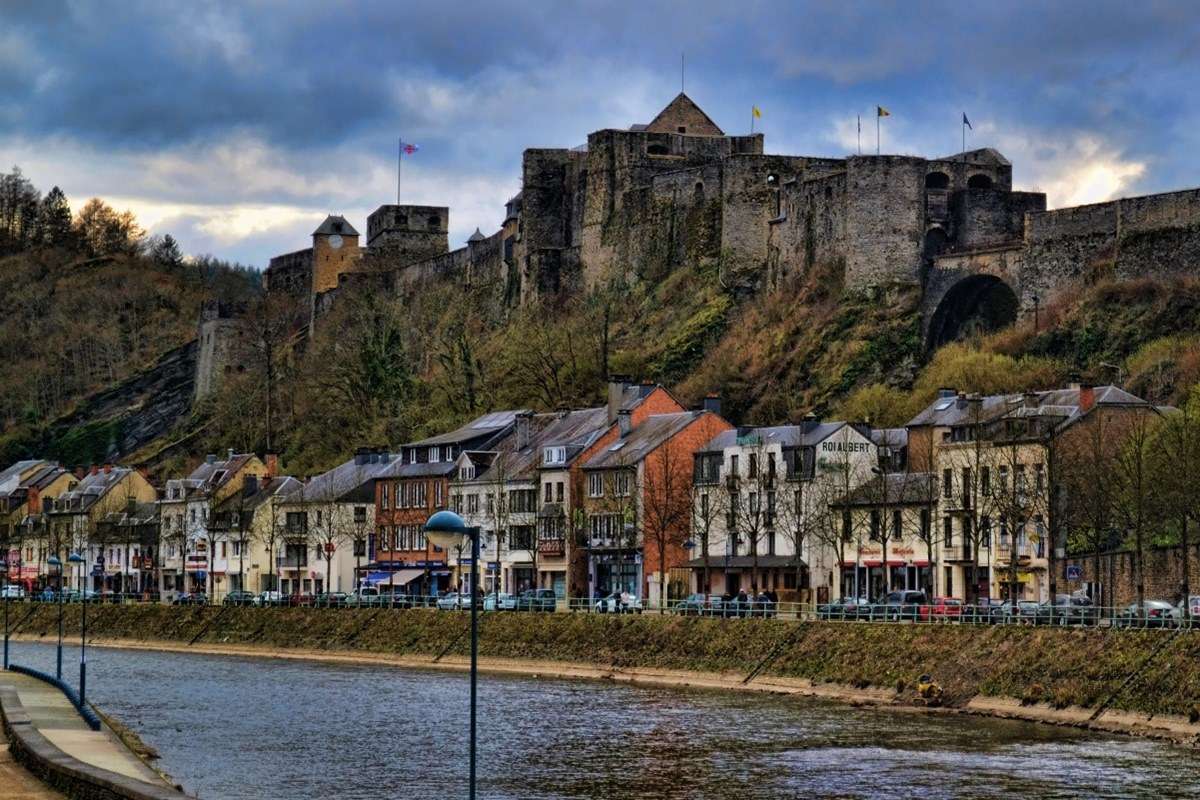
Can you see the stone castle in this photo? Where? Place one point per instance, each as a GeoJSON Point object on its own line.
{"type": "Point", "coordinates": [633, 204]}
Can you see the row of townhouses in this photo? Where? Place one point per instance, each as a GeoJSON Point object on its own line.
{"type": "Point", "coordinates": [639, 495]}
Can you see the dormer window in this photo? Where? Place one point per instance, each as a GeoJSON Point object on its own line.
{"type": "Point", "coordinates": [554, 455]}
{"type": "Point", "coordinates": [467, 473]}
{"type": "Point", "coordinates": [435, 455]}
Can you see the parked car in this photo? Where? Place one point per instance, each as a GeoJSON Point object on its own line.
{"type": "Point", "coordinates": [12, 591]}
{"type": "Point", "coordinates": [844, 608]}
{"type": "Point", "coordinates": [364, 596]}
{"type": "Point", "coordinates": [269, 598]}
{"type": "Point", "coordinates": [238, 598]}
{"type": "Point", "coordinates": [298, 600]}
{"type": "Point", "coordinates": [1023, 612]}
{"type": "Point", "coordinates": [537, 600]}
{"type": "Point", "coordinates": [942, 609]}
{"type": "Point", "coordinates": [902, 604]}
{"type": "Point", "coordinates": [699, 605]}
{"type": "Point", "coordinates": [396, 600]}
{"type": "Point", "coordinates": [330, 599]}
{"type": "Point", "coordinates": [47, 595]}
{"type": "Point", "coordinates": [451, 601]}
{"type": "Point", "coordinates": [1152, 614]}
{"type": "Point", "coordinates": [619, 603]}
{"type": "Point", "coordinates": [190, 599]}
{"type": "Point", "coordinates": [1067, 610]}
{"type": "Point", "coordinates": [499, 602]}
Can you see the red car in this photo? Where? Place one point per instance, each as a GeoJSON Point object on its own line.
{"type": "Point", "coordinates": [942, 609]}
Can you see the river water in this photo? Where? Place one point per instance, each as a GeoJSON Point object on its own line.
{"type": "Point", "coordinates": [231, 727]}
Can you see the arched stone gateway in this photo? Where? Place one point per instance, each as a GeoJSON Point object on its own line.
{"type": "Point", "coordinates": [976, 304]}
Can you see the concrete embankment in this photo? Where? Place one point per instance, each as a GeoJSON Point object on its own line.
{"type": "Point", "coordinates": [1141, 682]}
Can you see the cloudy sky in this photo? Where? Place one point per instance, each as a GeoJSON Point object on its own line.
{"type": "Point", "coordinates": [236, 126]}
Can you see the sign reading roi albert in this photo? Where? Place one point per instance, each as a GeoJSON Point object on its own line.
{"type": "Point", "coordinates": [845, 447]}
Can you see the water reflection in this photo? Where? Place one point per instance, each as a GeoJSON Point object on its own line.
{"type": "Point", "coordinates": [251, 728]}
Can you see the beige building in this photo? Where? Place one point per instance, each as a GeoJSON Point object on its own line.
{"type": "Point", "coordinates": [27, 493]}
{"type": "Point", "coordinates": [251, 526]}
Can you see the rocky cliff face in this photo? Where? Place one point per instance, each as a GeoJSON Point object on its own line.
{"type": "Point", "coordinates": [120, 420]}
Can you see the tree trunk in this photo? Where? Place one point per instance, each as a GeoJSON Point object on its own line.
{"type": "Point", "coordinates": [1186, 588]}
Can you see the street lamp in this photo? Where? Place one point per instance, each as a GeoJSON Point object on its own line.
{"type": "Point", "coordinates": [54, 566]}
{"type": "Point", "coordinates": [77, 560]}
{"type": "Point", "coordinates": [4, 584]}
{"type": "Point", "coordinates": [447, 530]}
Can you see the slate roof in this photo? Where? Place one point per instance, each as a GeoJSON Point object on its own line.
{"type": "Point", "coordinates": [805, 434]}
{"type": "Point", "coordinates": [330, 227]}
{"type": "Point", "coordinates": [902, 488]}
{"type": "Point", "coordinates": [90, 489]}
{"type": "Point", "coordinates": [281, 485]}
{"type": "Point", "coordinates": [642, 440]}
{"type": "Point", "coordinates": [574, 430]}
{"type": "Point", "coordinates": [491, 423]}
{"type": "Point", "coordinates": [339, 483]}
{"type": "Point", "coordinates": [951, 410]}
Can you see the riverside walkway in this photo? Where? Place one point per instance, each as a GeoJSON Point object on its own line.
{"type": "Point", "coordinates": [49, 713]}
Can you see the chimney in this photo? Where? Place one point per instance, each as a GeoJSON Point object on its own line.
{"type": "Point", "coordinates": [107, 469]}
{"type": "Point", "coordinates": [79, 472]}
{"type": "Point", "coordinates": [625, 421]}
{"type": "Point", "coordinates": [524, 422]}
{"type": "Point", "coordinates": [1031, 399]}
{"type": "Point", "coordinates": [1087, 398]}
{"type": "Point", "coordinates": [272, 461]}
{"type": "Point", "coordinates": [960, 401]}
{"type": "Point", "coordinates": [33, 502]}
{"type": "Point", "coordinates": [362, 456]}
{"type": "Point", "coordinates": [616, 393]}
{"type": "Point", "coordinates": [230, 455]}
{"type": "Point", "coordinates": [211, 458]}
{"type": "Point", "coordinates": [93, 470]}
{"type": "Point", "coordinates": [712, 402]}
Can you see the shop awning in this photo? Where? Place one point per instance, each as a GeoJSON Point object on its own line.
{"type": "Point", "coordinates": [872, 563]}
{"type": "Point", "coordinates": [400, 577]}
{"type": "Point", "coordinates": [895, 563]}
{"type": "Point", "coordinates": [718, 563]}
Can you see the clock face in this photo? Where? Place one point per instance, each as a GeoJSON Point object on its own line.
{"type": "Point", "coordinates": [335, 241]}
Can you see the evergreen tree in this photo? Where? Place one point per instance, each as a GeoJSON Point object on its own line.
{"type": "Point", "coordinates": [165, 252]}
{"type": "Point", "coordinates": [54, 219]}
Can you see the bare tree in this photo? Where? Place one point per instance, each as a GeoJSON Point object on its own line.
{"type": "Point", "coordinates": [709, 506]}
{"type": "Point", "coordinates": [666, 504]}
{"type": "Point", "coordinates": [1177, 472]}
{"type": "Point", "coordinates": [1138, 494]}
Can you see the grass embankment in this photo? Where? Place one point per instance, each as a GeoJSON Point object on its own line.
{"type": "Point", "coordinates": [1061, 667]}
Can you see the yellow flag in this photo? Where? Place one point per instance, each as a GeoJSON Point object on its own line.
{"type": "Point", "coordinates": [880, 111]}
{"type": "Point", "coordinates": [757, 113]}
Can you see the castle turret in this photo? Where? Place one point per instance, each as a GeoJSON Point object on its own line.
{"type": "Point", "coordinates": [335, 250]}
{"type": "Point", "coordinates": [407, 234]}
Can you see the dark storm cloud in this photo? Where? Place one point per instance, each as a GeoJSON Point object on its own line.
{"type": "Point", "coordinates": [235, 102]}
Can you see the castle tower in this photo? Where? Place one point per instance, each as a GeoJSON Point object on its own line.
{"type": "Point", "coordinates": [335, 250]}
{"type": "Point", "coordinates": [406, 234]}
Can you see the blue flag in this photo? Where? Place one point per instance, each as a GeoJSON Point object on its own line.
{"type": "Point", "coordinates": [966, 121]}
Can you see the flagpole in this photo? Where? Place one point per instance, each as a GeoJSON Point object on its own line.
{"type": "Point", "coordinates": [399, 165]}
{"type": "Point", "coordinates": [860, 134]}
{"type": "Point", "coordinates": [877, 118]}
{"type": "Point", "coordinates": [751, 120]}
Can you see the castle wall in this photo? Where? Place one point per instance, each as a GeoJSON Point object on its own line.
{"type": "Point", "coordinates": [550, 227]}
{"type": "Point", "coordinates": [885, 219]}
{"type": "Point", "coordinates": [989, 217]}
{"type": "Point", "coordinates": [290, 273]}
{"type": "Point", "coordinates": [811, 229]}
{"type": "Point", "coordinates": [620, 165]}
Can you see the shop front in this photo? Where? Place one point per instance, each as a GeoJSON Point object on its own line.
{"type": "Point", "coordinates": [615, 572]}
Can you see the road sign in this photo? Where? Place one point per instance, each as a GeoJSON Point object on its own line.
{"type": "Point", "coordinates": [1074, 572]}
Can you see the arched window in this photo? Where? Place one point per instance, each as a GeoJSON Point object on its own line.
{"type": "Point", "coordinates": [979, 182]}
{"type": "Point", "coordinates": [937, 180]}
{"type": "Point", "coordinates": [657, 150]}
{"type": "Point", "coordinates": [434, 221]}
{"type": "Point", "coordinates": [698, 190]}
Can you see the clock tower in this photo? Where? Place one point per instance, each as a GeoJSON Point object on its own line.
{"type": "Point", "coordinates": [335, 250]}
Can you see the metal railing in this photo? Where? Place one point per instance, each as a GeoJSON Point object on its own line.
{"type": "Point", "coordinates": [1025, 613]}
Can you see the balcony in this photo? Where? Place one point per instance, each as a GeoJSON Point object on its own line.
{"type": "Point", "coordinates": [956, 553]}
{"type": "Point", "coordinates": [284, 562]}
{"type": "Point", "coordinates": [731, 482]}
